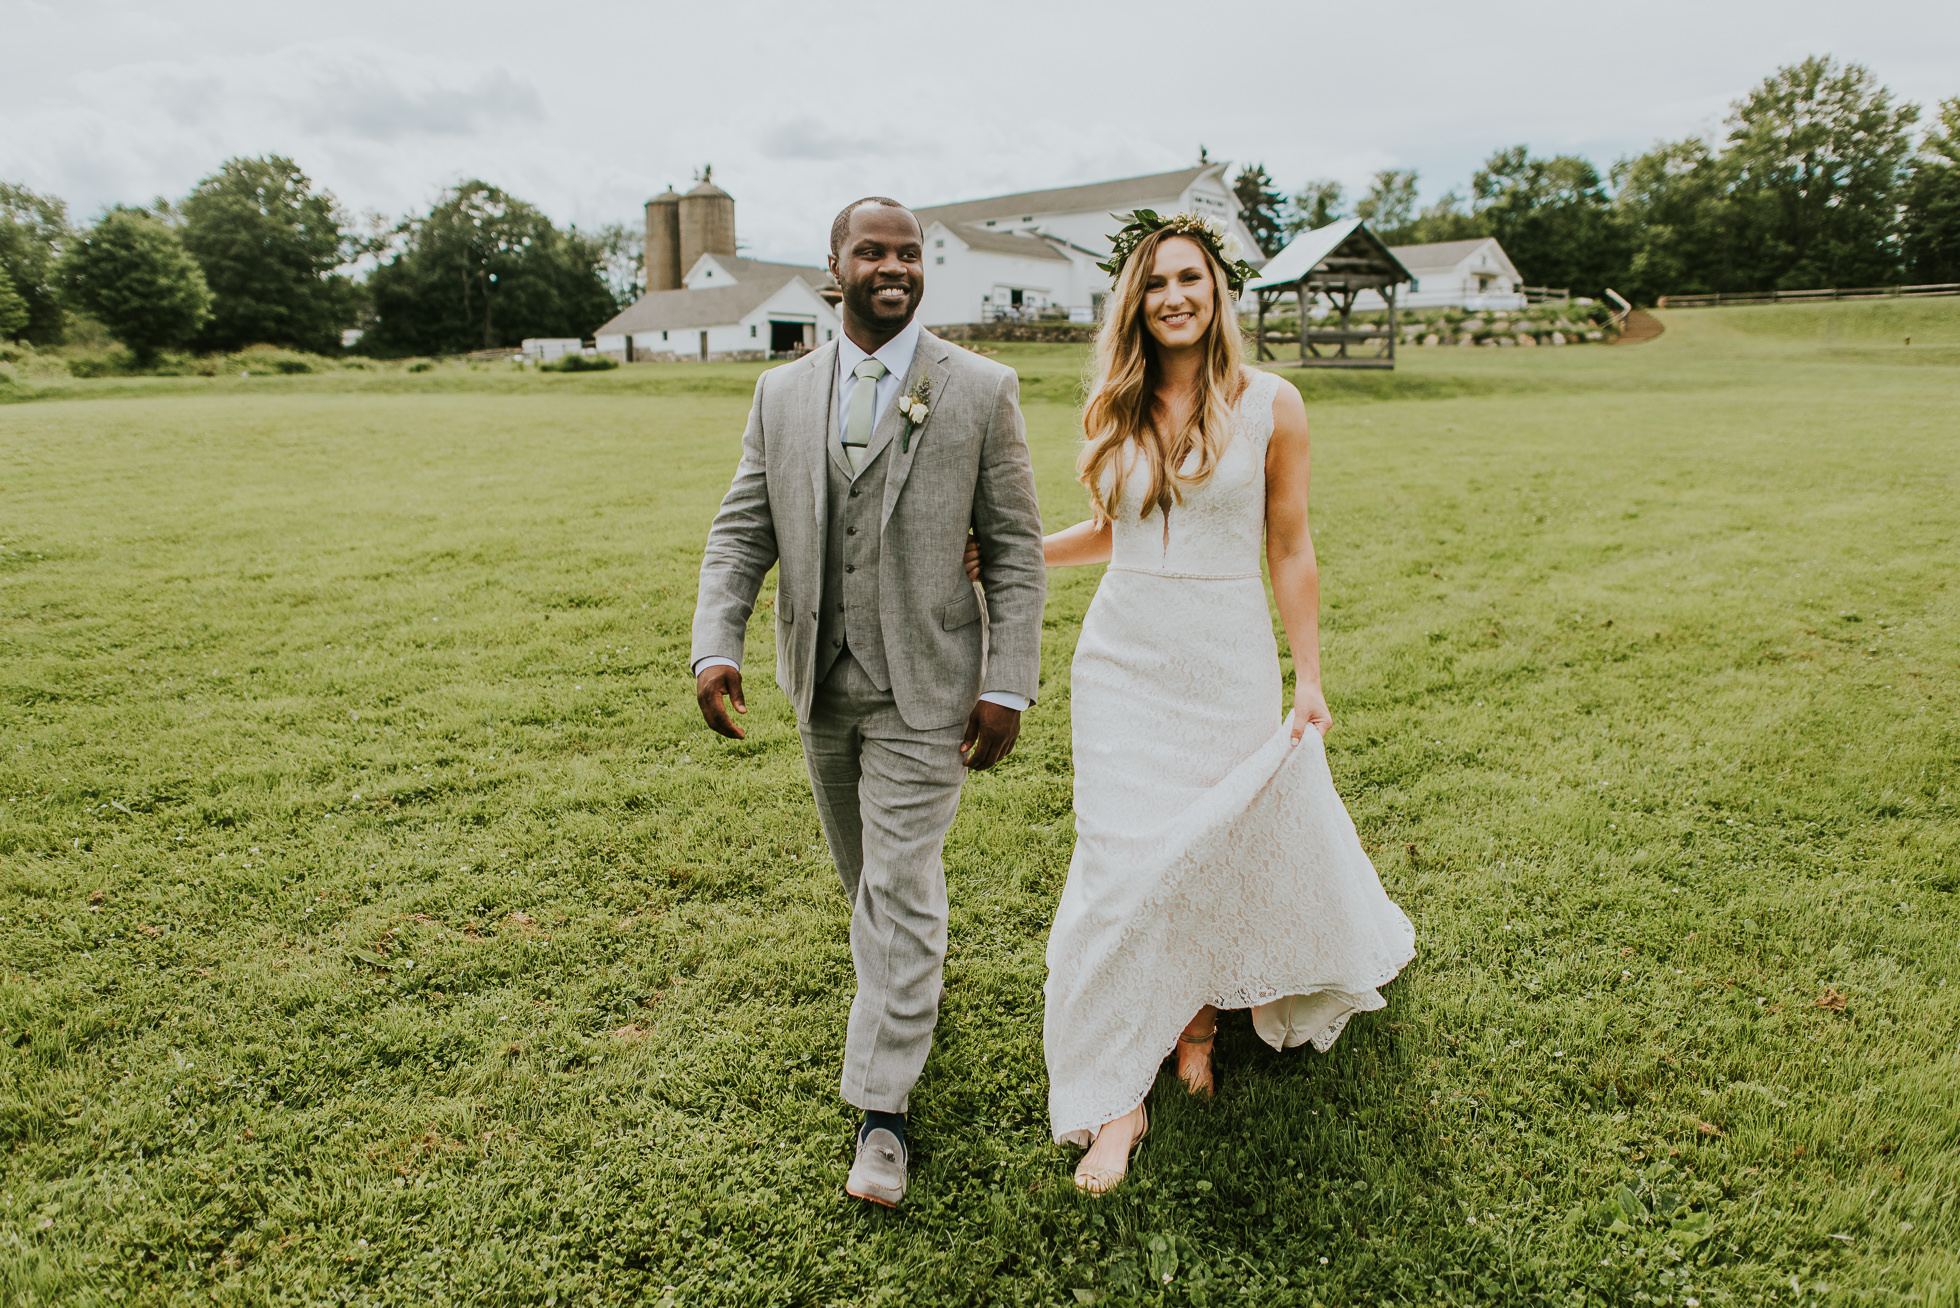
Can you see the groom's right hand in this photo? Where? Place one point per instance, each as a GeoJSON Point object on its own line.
{"type": "Point", "coordinates": [709, 688]}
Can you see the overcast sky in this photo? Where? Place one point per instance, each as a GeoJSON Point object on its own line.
{"type": "Point", "coordinates": [589, 108]}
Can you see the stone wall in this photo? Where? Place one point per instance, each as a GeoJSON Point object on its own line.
{"type": "Point", "coordinates": [1054, 333]}
{"type": "Point", "coordinates": [665, 356]}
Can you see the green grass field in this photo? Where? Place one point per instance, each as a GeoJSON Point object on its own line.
{"type": "Point", "coordinates": [380, 926]}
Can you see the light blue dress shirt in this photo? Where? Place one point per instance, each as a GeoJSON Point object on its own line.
{"type": "Point", "coordinates": [896, 354]}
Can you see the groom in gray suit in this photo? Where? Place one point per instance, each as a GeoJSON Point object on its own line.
{"type": "Point", "coordinates": [864, 465]}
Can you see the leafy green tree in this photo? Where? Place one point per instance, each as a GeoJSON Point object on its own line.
{"type": "Point", "coordinates": [269, 244]}
{"type": "Point", "coordinates": [132, 272]}
{"type": "Point", "coordinates": [1553, 217]}
{"type": "Point", "coordinates": [1932, 219]}
{"type": "Point", "coordinates": [484, 269]}
{"type": "Point", "coordinates": [1389, 208]}
{"type": "Point", "coordinates": [1315, 205]}
{"type": "Point", "coordinates": [1391, 213]}
{"type": "Point", "coordinates": [1259, 208]}
{"type": "Point", "coordinates": [33, 229]}
{"type": "Point", "coordinates": [623, 262]}
{"type": "Point", "coordinates": [1817, 159]}
{"type": "Point", "coordinates": [1673, 204]}
{"type": "Point", "coordinates": [1444, 220]}
{"type": "Point", "coordinates": [13, 310]}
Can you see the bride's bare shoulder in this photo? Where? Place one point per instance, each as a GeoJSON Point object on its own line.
{"type": "Point", "coordinates": [1288, 407]}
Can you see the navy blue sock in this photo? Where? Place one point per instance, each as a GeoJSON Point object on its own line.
{"type": "Point", "coordinates": [893, 1122]}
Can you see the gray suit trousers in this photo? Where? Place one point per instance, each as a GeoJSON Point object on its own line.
{"type": "Point", "coordinates": [886, 794]}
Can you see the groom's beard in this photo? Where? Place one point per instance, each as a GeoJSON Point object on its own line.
{"type": "Point", "coordinates": [867, 308]}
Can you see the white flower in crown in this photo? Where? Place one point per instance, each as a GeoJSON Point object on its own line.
{"type": "Point", "coordinates": [916, 411]}
{"type": "Point", "coordinates": [1232, 247]}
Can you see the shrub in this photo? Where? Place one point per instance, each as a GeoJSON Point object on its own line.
{"type": "Point", "coordinates": [25, 363]}
{"type": "Point", "coordinates": [579, 363]}
{"type": "Point", "coordinates": [115, 362]}
{"type": "Point", "coordinates": [271, 360]}
{"type": "Point", "coordinates": [420, 365]}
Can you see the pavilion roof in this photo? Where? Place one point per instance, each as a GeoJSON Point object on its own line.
{"type": "Point", "coordinates": [1341, 252]}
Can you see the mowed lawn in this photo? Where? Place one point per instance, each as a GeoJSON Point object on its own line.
{"type": "Point", "coordinates": [379, 925]}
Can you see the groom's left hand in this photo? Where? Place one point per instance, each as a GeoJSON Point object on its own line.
{"type": "Point", "coordinates": [991, 730]}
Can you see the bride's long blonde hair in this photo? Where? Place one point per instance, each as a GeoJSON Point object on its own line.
{"type": "Point", "coordinates": [1123, 408]}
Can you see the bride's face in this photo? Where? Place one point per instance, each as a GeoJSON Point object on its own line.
{"type": "Point", "coordinates": [1178, 296]}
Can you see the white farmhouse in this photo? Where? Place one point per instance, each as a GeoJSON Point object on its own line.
{"type": "Point", "coordinates": [728, 307]}
{"type": "Point", "coordinates": [1473, 274]}
{"type": "Point", "coordinates": [1013, 256]}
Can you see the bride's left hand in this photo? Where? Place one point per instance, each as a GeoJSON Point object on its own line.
{"type": "Point", "coordinates": [1310, 706]}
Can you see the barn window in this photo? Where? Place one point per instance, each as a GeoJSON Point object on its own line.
{"type": "Point", "coordinates": [939, 245]}
{"type": "Point", "coordinates": [939, 258]}
{"type": "Point", "coordinates": [751, 329]}
{"type": "Point", "coordinates": [663, 336]}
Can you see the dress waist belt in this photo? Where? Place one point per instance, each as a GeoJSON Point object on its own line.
{"type": "Point", "coordinates": [1185, 576]}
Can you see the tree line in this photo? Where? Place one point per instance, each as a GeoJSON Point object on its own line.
{"type": "Point", "coordinates": [1816, 181]}
{"type": "Point", "coordinates": [258, 254]}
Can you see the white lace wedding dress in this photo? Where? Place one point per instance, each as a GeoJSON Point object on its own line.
{"type": "Point", "coordinates": [1214, 862]}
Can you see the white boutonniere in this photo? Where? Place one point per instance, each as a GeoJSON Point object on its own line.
{"type": "Point", "coordinates": [916, 409]}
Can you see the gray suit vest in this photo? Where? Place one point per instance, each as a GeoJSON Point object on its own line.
{"type": "Point", "coordinates": [849, 607]}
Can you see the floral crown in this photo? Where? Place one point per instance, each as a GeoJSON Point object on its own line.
{"type": "Point", "coordinates": [1205, 231]}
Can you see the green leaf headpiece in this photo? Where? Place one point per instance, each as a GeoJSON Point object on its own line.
{"type": "Point", "coordinates": [1142, 222]}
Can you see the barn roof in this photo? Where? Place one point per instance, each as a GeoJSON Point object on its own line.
{"type": "Point", "coordinates": [1127, 192]}
{"type": "Point", "coordinates": [1447, 254]}
{"type": "Point", "coordinates": [1022, 247]}
{"type": "Point", "coordinates": [743, 269]}
{"type": "Point", "coordinates": [716, 306]}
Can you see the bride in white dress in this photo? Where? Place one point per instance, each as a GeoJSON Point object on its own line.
{"type": "Point", "coordinates": [1215, 866]}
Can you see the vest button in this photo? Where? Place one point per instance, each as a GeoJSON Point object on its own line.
{"type": "Point", "coordinates": [854, 492]}
{"type": "Point", "coordinates": [850, 531]}
{"type": "Point", "coordinates": [850, 567]}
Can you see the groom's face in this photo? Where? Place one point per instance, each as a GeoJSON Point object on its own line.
{"type": "Point", "coordinates": [880, 268]}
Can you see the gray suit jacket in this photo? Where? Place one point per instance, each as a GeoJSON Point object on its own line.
{"type": "Point", "coordinates": [967, 465]}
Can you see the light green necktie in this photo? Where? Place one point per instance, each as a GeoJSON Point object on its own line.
{"type": "Point", "coordinates": [864, 406]}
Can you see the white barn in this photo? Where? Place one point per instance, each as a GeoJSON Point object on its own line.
{"type": "Point", "coordinates": [1014, 256]}
{"type": "Point", "coordinates": [728, 307]}
{"type": "Point", "coordinates": [1473, 274]}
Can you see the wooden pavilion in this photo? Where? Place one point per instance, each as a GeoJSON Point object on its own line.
{"type": "Point", "coordinates": [1340, 261]}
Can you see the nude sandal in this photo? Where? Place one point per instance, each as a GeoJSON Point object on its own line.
{"type": "Point", "coordinates": [1195, 1086]}
{"type": "Point", "coordinates": [1103, 1180]}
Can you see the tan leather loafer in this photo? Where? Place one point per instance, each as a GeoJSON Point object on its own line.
{"type": "Point", "coordinates": [878, 1174]}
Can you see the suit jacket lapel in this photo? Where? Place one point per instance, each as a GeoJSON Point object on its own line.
{"type": "Point", "coordinates": [814, 442]}
{"type": "Point", "coordinates": [928, 361]}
